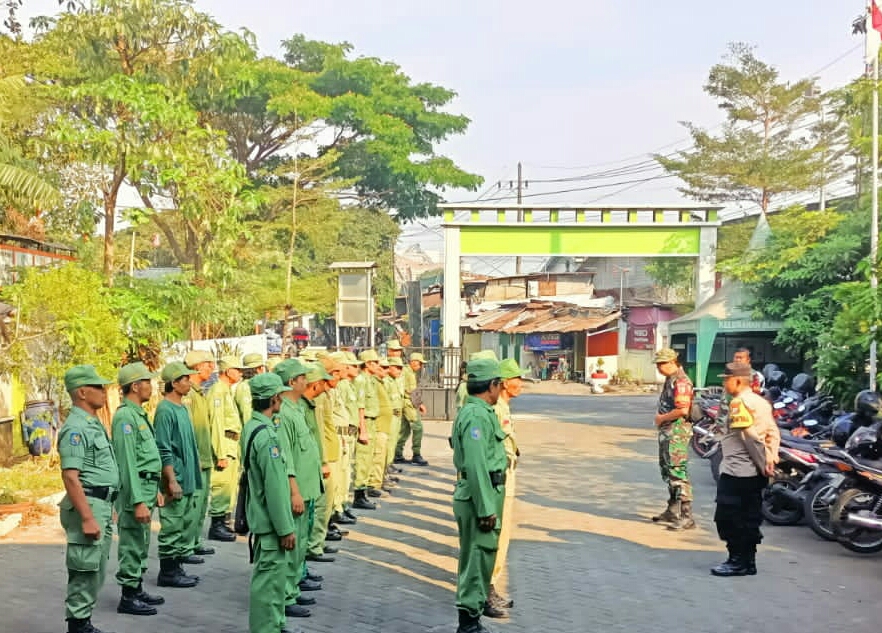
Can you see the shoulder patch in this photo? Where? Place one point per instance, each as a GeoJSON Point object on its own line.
{"type": "Point", "coordinates": [274, 451]}
{"type": "Point", "coordinates": [76, 439]}
{"type": "Point", "coordinates": [475, 433]}
{"type": "Point", "coordinates": [127, 428]}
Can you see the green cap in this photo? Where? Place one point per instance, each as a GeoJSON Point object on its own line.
{"type": "Point", "coordinates": [395, 362]}
{"type": "Point", "coordinates": [509, 368]}
{"type": "Point", "coordinates": [665, 355]}
{"type": "Point", "coordinates": [273, 362]}
{"type": "Point", "coordinates": [369, 354]}
{"type": "Point", "coordinates": [173, 371]}
{"type": "Point", "coordinates": [417, 356]}
{"type": "Point", "coordinates": [317, 372]}
{"type": "Point", "coordinates": [394, 344]}
{"type": "Point", "coordinates": [266, 385]}
{"type": "Point", "coordinates": [352, 360]}
{"type": "Point", "coordinates": [308, 355]}
{"type": "Point", "coordinates": [289, 369]}
{"type": "Point", "coordinates": [384, 362]}
{"type": "Point", "coordinates": [253, 361]}
{"type": "Point", "coordinates": [484, 353]}
{"type": "Point", "coordinates": [133, 372]}
{"type": "Point", "coordinates": [197, 356]}
{"type": "Point", "coordinates": [482, 369]}
{"type": "Point", "coordinates": [82, 376]}
{"type": "Point", "coordinates": [230, 362]}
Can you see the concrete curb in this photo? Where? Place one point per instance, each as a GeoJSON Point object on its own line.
{"type": "Point", "coordinates": [9, 523]}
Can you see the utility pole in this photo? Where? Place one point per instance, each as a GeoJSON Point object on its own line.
{"type": "Point", "coordinates": [874, 227]}
{"type": "Point", "coordinates": [520, 190]}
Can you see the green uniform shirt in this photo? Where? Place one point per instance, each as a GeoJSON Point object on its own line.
{"type": "Point", "coordinates": [137, 455]}
{"type": "Point", "coordinates": [339, 405]}
{"type": "Point", "coordinates": [371, 399]}
{"type": "Point", "coordinates": [411, 383]}
{"type": "Point", "coordinates": [242, 396]}
{"type": "Point", "coordinates": [83, 445]}
{"type": "Point", "coordinates": [350, 399]}
{"type": "Point", "coordinates": [359, 384]}
{"type": "Point", "coordinates": [384, 417]}
{"type": "Point", "coordinates": [269, 494]}
{"type": "Point", "coordinates": [477, 451]}
{"type": "Point", "coordinates": [396, 395]}
{"type": "Point", "coordinates": [197, 404]}
{"type": "Point", "coordinates": [177, 444]}
{"type": "Point", "coordinates": [302, 457]}
{"type": "Point", "coordinates": [224, 416]}
{"type": "Point", "coordinates": [308, 408]}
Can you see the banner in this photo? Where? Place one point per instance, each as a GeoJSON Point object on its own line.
{"type": "Point", "coordinates": [640, 337]}
{"type": "Point", "coordinates": [542, 342]}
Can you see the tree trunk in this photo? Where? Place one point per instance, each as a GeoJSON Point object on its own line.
{"type": "Point", "coordinates": [109, 224]}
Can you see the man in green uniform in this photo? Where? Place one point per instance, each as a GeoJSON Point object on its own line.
{"type": "Point", "coordinates": [411, 421]}
{"type": "Point", "coordinates": [384, 428]}
{"type": "Point", "coordinates": [196, 402]}
{"type": "Point", "coordinates": [181, 478]}
{"type": "Point", "coordinates": [346, 421]}
{"type": "Point", "coordinates": [364, 455]}
{"type": "Point", "coordinates": [330, 450]}
{"type": "Point", "coordinates": [226, 426]}
{"type": "Point", "coordinates": [254, 365]}
{"type": "Point", "coordinates": [140, 466]}
{"type": "Point", "coordinates": [268, 509]}
{"type": "Point", "coordinates": [394, 383]}
{"type": "Point", "coordinates": [303, 466]}
{"type": "Point", "coordinates": [480, 461]}
{"type": "Point", "coordinates": [91, 480]}
{"type": "Point", "coordinates": [316, 384]}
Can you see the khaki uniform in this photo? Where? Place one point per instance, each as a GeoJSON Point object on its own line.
{"type": "Point", "coordinates": [330, 442]}
{"type": "Point", "coordinates": [197, 405]}
{"type": "Point", "coordinates": [226, 428]}
{"type": "Point", "coordinates": [384, 428]}
{"type": "Point", "coordinates": [503, 412]}
{"type": "Point", "coordinates": [364, 455]}
{"type": "Point", "coordinates": [346, 420]}
{"type": "Point", "coordinates": [411, 422]}
{"type": "Point", "coordinates": [395, 388]}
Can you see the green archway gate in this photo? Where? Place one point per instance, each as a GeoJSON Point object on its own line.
{"type": "Point", "coordinates": [574, 230]}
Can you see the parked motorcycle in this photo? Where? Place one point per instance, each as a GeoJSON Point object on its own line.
{"type": "Point", "coordinates": [856, 516]}
{"type": "Point", "coordinates": [783, 497]}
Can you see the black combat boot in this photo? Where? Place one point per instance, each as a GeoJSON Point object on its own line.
{"type": "Point", "coordinates": [76, 625]}
{"type": "Point", "coordinates": [171, 574]}
{"type": "Point", "coordinates": [750, 559]}
{"type": "Point", "coordinates": [131, 604]}
{"type": "Point", "coordinates": [147, 598]}
{"type": "Point", "coordinates": [670, 514]}
{"type": "Point", "coordinates": [203, 550]}
{"type": "Point", "coordinates": [685, 520]}
{"type": "Point", "coordinates": [735, 565]}
{"type": "Point", "coordinates": [418, 460]}
{"type": "Point", "coordinates": [88, 627]}
{"type": "Point", "coordinates": [219, 530]}
{"type": "Point", "coordinates": [347, 512]}
{"type": "Point", "coordinates": [469, 624]}
{"type": "Point", "coordinates": [362, 502]}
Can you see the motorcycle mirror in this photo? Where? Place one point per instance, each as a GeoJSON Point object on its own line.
{"type": "Point", "coordinates": [778, 405]}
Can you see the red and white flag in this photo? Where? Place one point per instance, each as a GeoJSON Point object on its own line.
{"type": "Point", "coordinates": [874, 32]}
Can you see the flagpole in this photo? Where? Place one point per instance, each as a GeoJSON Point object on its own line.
{"type": "Point", "coordinates": [874, 227]}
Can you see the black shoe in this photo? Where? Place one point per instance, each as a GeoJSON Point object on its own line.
{"type": "Point", "coordinates": [314, 577]}
{"type": "Point", "coordinates": [394, 470]}
{"type": "Point", "coordinates": [172, 575]}
{"type": "Point", "coordinates": [91, 628]}
{"type": "Point", "coordinates": [468, 624]}
{"type": "Point", "coordinates": [296, 611]}
{"type": "Point", "coordinates": [491, 611]}
{"type": "Point", "coordinates": [192, 559]}
{"type": "Point", "coordinates": [320, 558]}
{"type": "Point", "coordinates": [345, 519]}
{"type": "Point", "coordinates": [309, 585]}
{"type": "Point", "coordinates": [202, 550]}
{"type": "Point", "coordinates": [75, 625]}
{"type": "Point", "coordinates": [373, 492]}
{"type": "Point", "coordinates": [362, 502]}
{"type": "Point", "coordinates": [132, 606]}
{"type": "Point", "coordinates": [399, 459]}
{"type": "Point", "coordinates": [334, 528]}
{"type": "Point", "coordinates": [347, 513]}
{"type": "Point", "coordinates": [334, 536]}
{"type": "Point", "coordinates": [734, 566]}
{"type": "Point", "coordinates": [147, 598]}
{"type": "Point", "coordinates": [219, 531]}
{"type": "Point", "coordinates": [419, 461]}
{"type": "Point", "coordinates": [330, 550]}
{"type": "Point", "coordinates": [305, 602]}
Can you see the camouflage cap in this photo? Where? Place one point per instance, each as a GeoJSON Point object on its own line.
{"type": "Point", "coordinates": [133, 372]}
{"type": "Point", "coordinates": [196, 356]}
{"type": "Point", "coordinates": [665, 355]}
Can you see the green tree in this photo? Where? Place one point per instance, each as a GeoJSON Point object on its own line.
{"type": "Point", "coordinates": [762, 151]}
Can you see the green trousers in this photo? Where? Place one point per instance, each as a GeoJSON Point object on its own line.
{"type": "Point", "coordinates": [134, 543]}
{"type": "Point", "coordinates": [297, 561]}
{"type": "Point", "coordinates": [364, 456]}
{"type": "Point", "coordinates": [224, 484]}
{"type": "Point", "coordinates": [266, 608]}
{"type": "Point", "coordinates": [86, 559]}
{"type": "Point", "coordinates": [378, 464]}
{"type": "Point", "coordinates": [200, 508]}
{"type": "Point", "coordinates": [408, 427]}
{"type": "Point", "coordinates": [318, 530]}
{"type": "Point", "coordinates": [175, 533]}
{"type": "Point", "coordinates": [392, 444]}
{"type": "Point", "coordinates": [477, 555]}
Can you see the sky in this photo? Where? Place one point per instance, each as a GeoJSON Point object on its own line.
{"type": "Point", "coordinates": [567, 87]}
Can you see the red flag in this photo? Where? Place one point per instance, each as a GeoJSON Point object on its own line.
{"type": "Point", "coordinates": [874, 32]}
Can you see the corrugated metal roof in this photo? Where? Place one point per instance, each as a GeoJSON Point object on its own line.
{"type": "Point", "coordinates": [540, 316]}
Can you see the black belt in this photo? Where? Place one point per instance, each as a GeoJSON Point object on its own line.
{"type": "Point", "coordinates": [497, 477]}
{"type": "Point", "coordinates": [232, 435]}
{"type": "Point", "coordinates": [148, 475]}
{"type": "Point", "coordinates": [105, 493]}
{"type": "Point", "coordinates": [370, 417]}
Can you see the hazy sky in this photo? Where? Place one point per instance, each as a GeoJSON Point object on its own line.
{"type": "Point", "coordinates": [566, 85]}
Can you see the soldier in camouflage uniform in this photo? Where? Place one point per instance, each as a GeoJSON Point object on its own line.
{"type": "Point", "coordinates": [674, 435]}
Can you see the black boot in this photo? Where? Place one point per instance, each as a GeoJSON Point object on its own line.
{"type": "Point", "coordinates": [750, 560]}
{"type": "Point", "coordinates": [203, 550]}
{"type": "Point", "coordinates": [75, 625]}
{"type": "Point", "coordinates": [171, 574]}
{"type": "Point", "coordinates": [373, 492]}
{"type": "Point", "coordinates": [131, 604]}
{"type": "Point", "coordinates": [347, 513]}
{"type": "Point", "coordinates": [219, 530]}
{"type": "Point", "coordinates": [469, 624]}
{"type": "Point", "coordinates": [362, 502]}
{"type": "Point", "coordinates": [296, 611]}
{"type": "Point", "coordinates": [735, 565]}
{"type": "Point", "coordinates": [420, 461]}
{"type": "Point", "coordinates": [145, 597]}
{"type": "Point", "coordinates": [192, 559]}
{"type": "Point", "coordinates": [180, 562]}
{"type": "Point", "coordinates": [88, 627]}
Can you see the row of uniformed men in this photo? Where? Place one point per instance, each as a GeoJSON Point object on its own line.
{"type": "Point", "coordinates": [193, 446]}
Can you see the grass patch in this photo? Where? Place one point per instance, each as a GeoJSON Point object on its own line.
{"type": "Point", "coordinates": [29, 481]}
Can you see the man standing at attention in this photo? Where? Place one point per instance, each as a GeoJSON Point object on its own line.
{"type": "Point", "coordinates": [140, 467]}
{"type": "Point", "coordinates": [674, 434]}
{"type": "Point", "coordinates": [480, 462]}
{"type": "Point", "coordinates": [226, 426]}
{"type": "Point", "coordinates": [91, 480]}
{"type": "Point", "coordinates": [411, 420]}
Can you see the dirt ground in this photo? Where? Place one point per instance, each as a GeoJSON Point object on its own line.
{"type": "Point", "coordinates": [556, 387]}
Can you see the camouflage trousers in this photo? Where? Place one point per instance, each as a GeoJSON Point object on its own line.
{"type": "Point", "coordinates": [673, 458]}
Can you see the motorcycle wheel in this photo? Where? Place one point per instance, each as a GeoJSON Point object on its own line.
{"type": "Point", "coordinates": [700, 445]}
{"type": "Point", "coordinates": [856, 539]}
{"type": "Point", "coordinates": [817, 512]}
{"type": "Point", "coordinates": [773, 511]}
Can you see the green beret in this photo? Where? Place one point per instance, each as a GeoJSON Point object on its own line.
{"type": "Point", "coordinates": [82, 376]}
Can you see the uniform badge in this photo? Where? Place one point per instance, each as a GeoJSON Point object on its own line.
{"type": "Point", "coordinates": [274, 452]}
{"type": "Point", "coordinates": [475, 433]}
{"type": "Point", "coordinates": [217, 403]}
{"type": "Point", "coordinates": [143, 427]}
{"type": "Point", "coordinates": [127, 429]}
{"type": "Point", "coordinates": [76, 439]}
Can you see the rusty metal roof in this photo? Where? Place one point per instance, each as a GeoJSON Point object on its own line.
{"type": "Point", "coordinates": [539, 316]}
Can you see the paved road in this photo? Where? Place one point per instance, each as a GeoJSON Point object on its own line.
{"type": "Point", "coordinates": [585, 555]}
